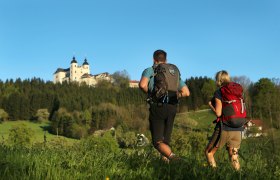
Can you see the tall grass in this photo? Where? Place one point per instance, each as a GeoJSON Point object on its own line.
{"type": "Point", "coordinates": [100, 157]}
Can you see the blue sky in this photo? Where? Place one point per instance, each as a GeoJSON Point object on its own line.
{"type": "Point", "coordinates": [200, 36]}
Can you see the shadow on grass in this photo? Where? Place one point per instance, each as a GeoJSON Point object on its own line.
{"type": "Point", "coordinates": [47, 128]}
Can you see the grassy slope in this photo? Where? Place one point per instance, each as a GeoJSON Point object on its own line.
{"type": "Point", "coordinates": [38, 128]}
{"type": "Point", "coordinates": [197, 120]}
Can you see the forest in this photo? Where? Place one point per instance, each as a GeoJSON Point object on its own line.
{"type": "Point", "coordinates": [78, 110]}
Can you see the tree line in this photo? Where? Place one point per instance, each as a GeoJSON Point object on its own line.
{"type": "Point", "coordinates": [77, 110]}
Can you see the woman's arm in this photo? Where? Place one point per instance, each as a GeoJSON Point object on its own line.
{"type": "Point", "coordinates": [218, 108]}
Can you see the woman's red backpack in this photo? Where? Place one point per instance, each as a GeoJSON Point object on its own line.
{"type": "Point", "coordinates": [233, 106]}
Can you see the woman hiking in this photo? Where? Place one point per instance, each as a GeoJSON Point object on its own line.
{"type": "Point", "coordinates": [228, 106]}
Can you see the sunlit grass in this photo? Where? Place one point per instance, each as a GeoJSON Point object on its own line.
{"type": "Point", "coordinates": [39, 129]}
{"type": "Point", "coordinates": [79, 162]}
{"type": "Point", "coordinates": [100, 157]}
{"type": "Point", "coordinates": [200, 120]}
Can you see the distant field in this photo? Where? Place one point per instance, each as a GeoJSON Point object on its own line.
{"type": "Point", "coordinates": [197, 120]}
{"type": "Point", "coordinates": [200, 120]}
{"type": "Point", "coordinates": [38, 128]}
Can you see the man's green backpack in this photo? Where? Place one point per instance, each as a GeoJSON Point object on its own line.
{"type": "Point", "coordinates": [166, 83]}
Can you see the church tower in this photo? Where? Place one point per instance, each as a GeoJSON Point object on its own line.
{"type": "Point", "coordinates": [73, 70]}
{"type": "Point", "coordinates": [86, 67]}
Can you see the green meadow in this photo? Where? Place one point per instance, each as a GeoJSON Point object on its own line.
{"type": "Point", "coordinates": [40, 130]}
{"type": "Point", "coordinates": [100, 157]}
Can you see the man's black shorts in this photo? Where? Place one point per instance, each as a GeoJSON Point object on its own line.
{"type": "Point", "coordinates": [161, 121]}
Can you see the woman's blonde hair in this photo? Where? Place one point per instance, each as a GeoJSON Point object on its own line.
{"type": "Point", "coordinates": [222, 78]}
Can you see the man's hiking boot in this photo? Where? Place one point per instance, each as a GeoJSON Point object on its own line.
{"type": "Point", "coordinates": [173, 157]}
{"type": "Point", "coordinates": [165, 159]}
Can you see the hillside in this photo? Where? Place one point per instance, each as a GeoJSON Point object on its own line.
{"type": "Point", "coordinates": [39, 129]}
{"type": "Point", "coordinates": [194, 120]}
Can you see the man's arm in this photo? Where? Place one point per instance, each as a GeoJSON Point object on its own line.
{"type": "Point", "coordinates": [184, 92]}
{"type": "Point", "coordinates": [143, 84]}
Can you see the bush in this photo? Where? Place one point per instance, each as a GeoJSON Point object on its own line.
{"type": "Point", "coordinates": [42, 115]}
{"type": "Point", "coordinates": [79, 131]}
{"type": "Point", "coordinates": [100, 144]}
{"type": "Point", "coordinates": [128, 139]}
{"type": "Point", "coordinates": [62, 122]}
{"type": "Point", "coordinates": [20, 135]}
{"type": "Point", "coordinates": [3, 115]}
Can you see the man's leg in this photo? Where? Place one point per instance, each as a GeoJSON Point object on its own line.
{"type": "Point", "coordinates": [163, 148]}
{"type": "Point", "coordinates": [157, 118]}
{"type": "Point", "coordinates": [168, 127]}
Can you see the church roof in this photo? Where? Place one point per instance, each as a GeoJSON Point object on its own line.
{"type": "Point", "coordinates": [62, 70]}
{"type": "Point", "coordinates": [86, 75]}
{"type": "Point", "coordinates": [104, 73]}
{"type": "Point", "coordinates": [73, 60]}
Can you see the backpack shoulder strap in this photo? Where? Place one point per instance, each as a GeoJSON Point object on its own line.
{"type": "Point", "coordinates": [154, 73]}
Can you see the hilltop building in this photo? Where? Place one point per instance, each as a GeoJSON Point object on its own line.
{"type": "Point", "coordinates": [133, 84]}
{"type": "Point", "coordinates": [79, 74]}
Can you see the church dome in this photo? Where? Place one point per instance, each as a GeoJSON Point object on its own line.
{"type": "Point", "coordinates": [85, 63]}
{"type": "Point", "coordinates": [73, 60]}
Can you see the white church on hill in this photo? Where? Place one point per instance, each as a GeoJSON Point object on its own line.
{"type": "Point", "coordinates": [79, 74]}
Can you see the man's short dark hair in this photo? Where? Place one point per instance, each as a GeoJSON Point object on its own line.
{"type": "Point", "coordinates": [160, 55]}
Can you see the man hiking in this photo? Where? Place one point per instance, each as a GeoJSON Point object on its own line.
{"type": "Point", "coordinates": [163, 84]}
